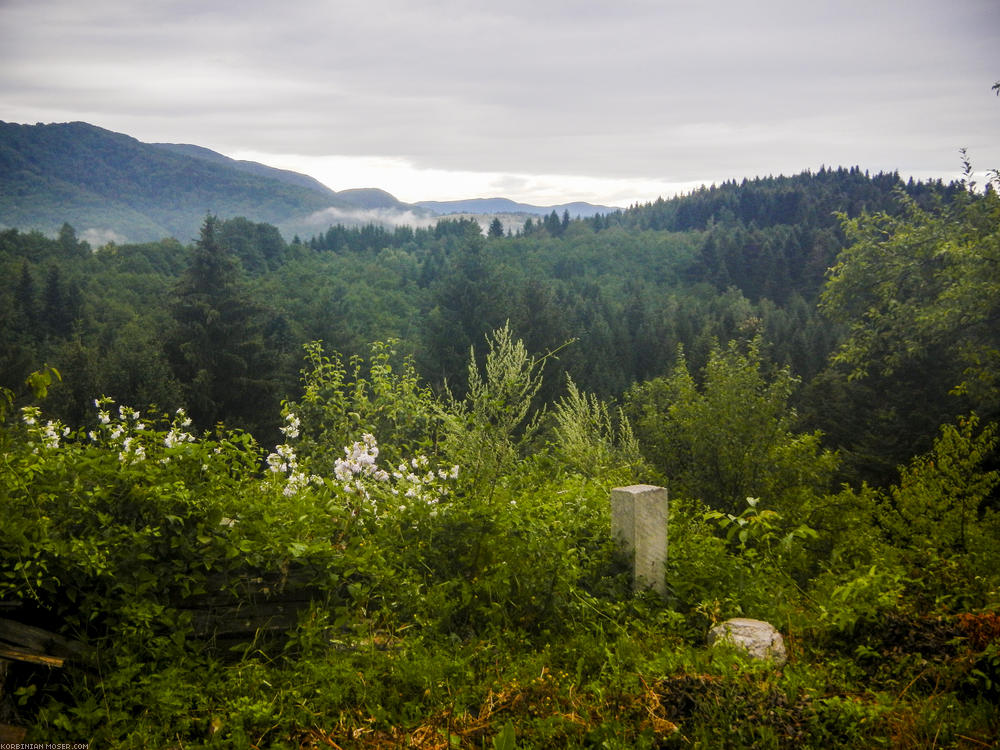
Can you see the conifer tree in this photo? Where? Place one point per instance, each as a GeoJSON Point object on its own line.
{"type": "Point", "coordinates": [24, 296]}
{"type": "Point", "coordinates": [60, 303]}
{"type": "Point", "coordinates": [216, 348]}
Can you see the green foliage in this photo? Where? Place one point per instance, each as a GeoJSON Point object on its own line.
{"type": "Point", "coordinates": [479, 614]}
{"type": "Point", "coordinates": [751, 564]}
{"type": "Point", "coordinates": [589, 441]}
{"type": "Point", "coordinates": [942, 521]}
{"type": "Point", "coordinates": [381, 396]}
{"type": "Point", "coordinates": [463, 588]}
{"type": "Point", "coordinates": [864, 597]}
{"type": "Point", "coordinates": [731, 438]}
{"type": "Point", "coordinates": [488, 430]}
{"type": "Point", "coordinates": [506, 739]}
{"type": "Point", "coordinates": [943, 500]}
{"type": "Point", "coordinates": [925, 545]}
{"type": "Point", "coordinates": [259, 246]}
{"type": "Point", "coordinates": [921, 284]}
{"type": "Point", "coordinates": [217, 346]}
{"type": "Point", "coordinates": [496, 229]}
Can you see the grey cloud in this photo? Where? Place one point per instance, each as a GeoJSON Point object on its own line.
{"type": "Point", "coordinates": [658, 89]}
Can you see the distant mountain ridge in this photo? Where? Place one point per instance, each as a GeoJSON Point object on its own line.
{"type": "Point", "coordinates": [112, 187]}
{"type": "Point", "coordinates": [507, 206]}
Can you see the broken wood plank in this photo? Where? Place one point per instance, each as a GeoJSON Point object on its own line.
{"type": "Point", "coordinates": [30, 657]}
{"type": "Point", "coordinates": [33, 638]}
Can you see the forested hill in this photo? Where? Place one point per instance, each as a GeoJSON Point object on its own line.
{"type": "Point", "coordinates": [775, 237]}
{"type": "Point", "coordinates": [111, 186]}
{"type": "Point", "coordinates": [809, 198]}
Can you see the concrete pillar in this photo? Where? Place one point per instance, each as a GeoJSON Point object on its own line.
{"type": "Point", "coordinates": [639, 525]}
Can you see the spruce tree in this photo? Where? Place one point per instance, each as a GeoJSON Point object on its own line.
{"type": "Point", "coordinates": [217, 348]}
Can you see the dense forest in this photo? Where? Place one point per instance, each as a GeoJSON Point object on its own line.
{"type": "Point", "coordinates": [426, 424]}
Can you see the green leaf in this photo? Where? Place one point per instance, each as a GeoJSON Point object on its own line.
{"type": "Point", "coordinates": [506, 739]}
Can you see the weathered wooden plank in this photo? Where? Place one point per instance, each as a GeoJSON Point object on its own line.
{"type": "Point", "coordinates": [30, 657]}
{"type": "Point", "coordinates": [33, 638]}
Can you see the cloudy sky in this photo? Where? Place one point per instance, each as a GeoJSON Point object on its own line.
{"type": "Point", "coordinates": [544, 101]}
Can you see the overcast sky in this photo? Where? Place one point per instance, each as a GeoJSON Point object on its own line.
{"type": "Point", "coordinates": [544, 101]}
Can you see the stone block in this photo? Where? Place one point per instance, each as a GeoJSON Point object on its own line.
{"type": "Point", "coordinates": [639, 525]}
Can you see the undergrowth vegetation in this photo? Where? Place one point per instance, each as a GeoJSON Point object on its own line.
{"type": "Point", "coordinates": [457, 584]}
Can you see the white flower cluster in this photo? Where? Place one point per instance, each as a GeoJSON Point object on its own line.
{"type": "Point", "coordinates": [124, 429]}
{"type": "Point", "coordinates": [358, 471]}
{"type": "Point", "coordinates": [284, 460]}
{"type": "Point", "coordinates": [418, 481]}
{"type": "Point", "coordinates": [48, 435]}
{"type": "Point", "coordinates": [291, 428]}
{"type": "Point", "coordinates": [358, 464]}
{"type": "Point", "coordinates": [413, 480]}
{"type": "Point", "coordinates": [123, 433]}
{"type": "Point", "coordinates": [177, 434]}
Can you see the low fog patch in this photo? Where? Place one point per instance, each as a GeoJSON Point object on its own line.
{"type": "Point", "coordinates": [98, 237]}
{"type": "Point", "coordinates": [389, 217]}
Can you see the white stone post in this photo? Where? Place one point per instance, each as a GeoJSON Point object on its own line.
{"type": "Point", "coordinates": [639, 525]}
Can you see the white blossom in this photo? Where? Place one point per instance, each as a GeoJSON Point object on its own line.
{"type": "Point", "coordinates": [50, 435]}
{"type": "Point", "coordinates": [291, 428]}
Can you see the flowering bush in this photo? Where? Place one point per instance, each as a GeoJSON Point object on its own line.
{"type": "Point", "coordinates": [358, 473]}
{"type": "Point", "coordinates": [45, 436]}
{"type": "Point", "coordinates": [136, 506]}
{"type": "Point", "coordinates": [379, 396]}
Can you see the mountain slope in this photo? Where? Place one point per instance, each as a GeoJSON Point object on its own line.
{"type": "Point", "coordinates": [250, 167]}
{"type": "Point", "coordinates": [108, 183]}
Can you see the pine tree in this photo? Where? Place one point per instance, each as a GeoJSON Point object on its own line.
{"type": "Point", "coordinates": [61, 304]}
{"type": "Point", "coordinates": [217, 348]}
{"type": "Point", "coordinates": [24, 298]}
